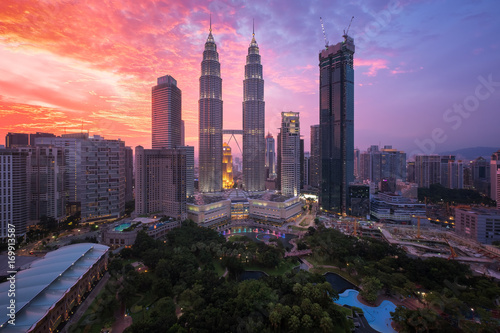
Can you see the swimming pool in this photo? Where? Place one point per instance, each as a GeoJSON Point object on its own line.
{"type": "Point", "coordinates": [122, 226]}
{"type": "Point", "coordinates": [378, 317]}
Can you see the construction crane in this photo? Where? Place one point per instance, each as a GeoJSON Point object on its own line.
{"type": "Point", "coordinates": [453, 254]}
{"type": "Point", "coordinates": [347, 31]}
{"type": "Point", "coordinates": [324, 33]}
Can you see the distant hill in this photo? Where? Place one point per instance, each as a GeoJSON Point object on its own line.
{"type": "Point", "coordinates": [472, 153]}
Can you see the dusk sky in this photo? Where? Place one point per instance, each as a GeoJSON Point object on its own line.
{"type": "Point", "coordinates": [67, 64]}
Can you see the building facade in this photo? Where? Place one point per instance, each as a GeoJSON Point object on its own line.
{"type": "Point", "coordinates": [270, 162]}
{"type": "Point", "coordinates": [336, 119]}
{"type": "Point", "coordinates": [495, 177]}
{"type": "Point", "coordinates": [166, 114]}
{"type": "Point", "coordinates": [315, 175]}
{"type": "Point", "coordinates": [227, 167]}
{"type": "Point", "coordinates": [129, 174]}
{"type": "Point", "coordinates": [210, 120]}
{"type": "Point", "coordinates": [13, 140]}
{"type": "Point", "coordinates": [290, 154]}
{"type": "Point", "coordinates": [95, 174]}
{"type": "Point", "coordinates": [160, 182]}
{"type": "Point", "coordinates": [389, 207]}
{"type": "Point", "coordinates": [479, 224]}
{"type": "Point", "coordinates": [14, 187]}
{"type": "Point", "coordinates": [387, 163]}
{"type": "Point", "coordinates": [46, 170]}
{"type": "Point", "coordinates": [254, 145]}
{"type": "Point", "coordinates": [427, 170]}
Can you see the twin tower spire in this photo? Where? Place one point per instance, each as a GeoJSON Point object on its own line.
{"type": "Point", "coordinates": [211, 120]}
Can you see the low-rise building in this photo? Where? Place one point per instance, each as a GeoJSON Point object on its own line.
{"type": "Point", "coordinates": [274, 207]}
{"type": "Point", "coordinates": [479, 224]}
{"type": "Point", "coordinates": [48, 291]}
{"type": "Point", "coordinates": [209, 211]}
{"type": "Point", "coordinates": [124, 233]}
{"type": "Point", "coordinates": [395, 208]}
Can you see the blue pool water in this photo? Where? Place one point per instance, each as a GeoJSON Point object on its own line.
{"type": "Point", "coordinates": [122, 226]}
{"type": "Point", "coordinates": [378, 317]}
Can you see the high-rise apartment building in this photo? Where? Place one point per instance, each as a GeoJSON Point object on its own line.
{"type": "Point", "coordinates": [254, 145]}
{"type": "Point", "coordinates": [307, 166]}
{"type": "Point", "coordinates": [95, 174]}
{"type": "Point", "coordinates": [160, 182]}
{"type": "Point", "coordinates": [210, 120]}
{"type": "Point", "coordinates": [167, 114]}
{"type": "Point", "coordinates": [13, 140]}
{"type": "Point", "coordinates": [129, 174]}
{"type": "Point", "coordinates": [270, 161]}
{"type": "Point", "coordinates": [39, 135]}
{"type": "Point", "coordinates": [315, 175]}
{"type": "Point", "coordinates": [452, 172]}
{"type": "Point", "coordinates": [336, 119]}
{"type": "Point", "coordinates": [227, 167]}
{"type": "Point", "coordinates": [46, 171]}
{"type": "Point", "coordinates": [427, 170]}
{"type": "Point", "coordinates": [495, 177]}
{"type": "Point", "coordinates": [290, 153]}
{"type": "Point", "coordinates": [387, 163]}
{"type": "Point", "coordinates": [480, 174]}
{"type": "Point", "coordinates": [13, 192]}
{"type": "Point", "coordinates": [356, 162]}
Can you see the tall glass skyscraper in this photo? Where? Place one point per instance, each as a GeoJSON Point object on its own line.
{"type": "Point", "coordinates": [210, 120]}
{"type": "Point", "coordinates": [289, 152]}
{"type": "Point", "coordinates": [270, 161]}
{"type": "Point", "coordinates": [254, 174]}
{"type": "Point", "coordinates": [336, 118]}
{"type": "Point", "coordinates": [167, 114]}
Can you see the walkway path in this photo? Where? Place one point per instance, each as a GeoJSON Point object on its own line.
{"type": "Point", "coordinates": [86, 303]}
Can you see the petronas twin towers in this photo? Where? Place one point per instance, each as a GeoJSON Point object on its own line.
{"type": "Point", "coordinates": [210, 120]}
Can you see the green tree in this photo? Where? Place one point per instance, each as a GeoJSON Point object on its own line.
{"type": "Point", "coordinates": [370, 288]}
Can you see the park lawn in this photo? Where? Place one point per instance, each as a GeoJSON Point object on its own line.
{"type": "Point", "coordinates": [97, 325]}
{"type": "Point", "coordinates": [218, 267]}
{"type": "Point", "coordinates": [294, 227]}
{"type": "Point", "coordinates": [287, 266]}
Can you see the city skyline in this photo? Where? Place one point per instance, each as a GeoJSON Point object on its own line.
{"type": "Point", "coordinates": [97, 72]}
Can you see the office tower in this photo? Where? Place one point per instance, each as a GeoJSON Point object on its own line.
{"type": "Point", "coordinates": [46, 171]}
{"type": "Point", "coordinates": [356, 163]}
{"type": "Point", "coordinates": [189, 169]}
{"type": "Point", "coordinates": [39, 135]}
{"type": "Point", "coordinates": [95, 174]}
{"type": "Point", "coordinates": [315, 178]}
{"type": "Point", "coordinates": [480, 174]}
{"type": "Point", "coordinates": [254, 146]}
{"type": "Point", "coordinates": [410, 172]}
{"type": "Point", "coordinates": [495, 177]}
{"type": "Point", "coordinates": [270, 161]}
{"type": "Point", "coordinates": [336, 124]}
{"type": "Point", "coordinates": [227, 167]}
{"type": "Point", "coordinates": [210, 120]}
{"type": "Point", "coordinates": [129, 174]}
{"type": "Point", "coordinates": [13, 140]}
{"type": "Point", "coordinates": [167, 113]}
{"type": "Point", "coordinates": [13, 192]}
{"type": "Point", "coordinates": [301, 161]}
{"type": "Point", "coordinates": [307, 166]}
{"type": "Point", "coordinates": [387, 163]}
{"type": "Point", "coordinates": [290, 153]}
{"type": "Point", "coordinates": [359, 195]}
{"type": "Point", "coordinates": [183, 133]}
{"type": "Point", "coordinates": [427, 170]}
{"type": "Point", "coordinates": [278, 163]}
{"type": "Point", "coordinates": [160, 182]}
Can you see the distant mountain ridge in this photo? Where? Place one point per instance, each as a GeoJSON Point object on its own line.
{"type": "Point", "coordinates": [472, 153]}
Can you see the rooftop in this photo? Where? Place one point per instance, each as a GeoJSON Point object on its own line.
{"type": "Point", "coordinates": [47, 280]}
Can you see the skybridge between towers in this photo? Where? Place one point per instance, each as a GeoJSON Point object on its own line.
{"type": "Point", "coordinates": [233, 134]}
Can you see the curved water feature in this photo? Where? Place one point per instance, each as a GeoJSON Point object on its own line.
{"type": "Point", "coordinates": [378, 317]}
{"type": "Point", "coordinates": [338, 283]}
